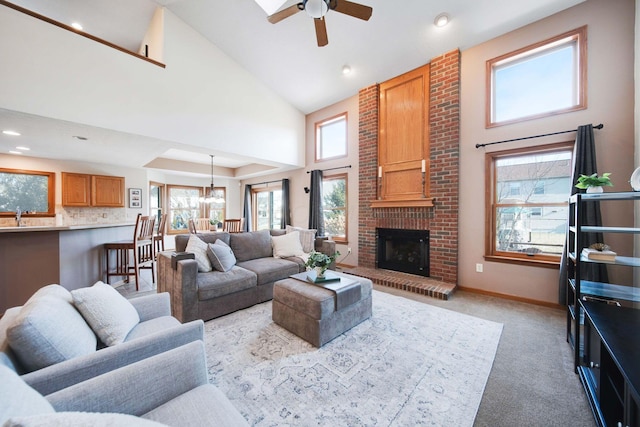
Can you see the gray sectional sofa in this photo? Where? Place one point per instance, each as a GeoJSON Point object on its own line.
{"type": "Point", "coordinates": [206, 295]}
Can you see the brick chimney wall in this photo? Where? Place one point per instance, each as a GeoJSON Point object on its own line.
{"type": "Point", "coordinates": [441, 219]}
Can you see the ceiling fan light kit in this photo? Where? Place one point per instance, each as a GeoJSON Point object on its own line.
{"type": "Point", "coordinates": [317, 9]}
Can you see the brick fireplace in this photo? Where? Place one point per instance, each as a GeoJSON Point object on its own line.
{"type": "Point", "coordinates": [442, 219]}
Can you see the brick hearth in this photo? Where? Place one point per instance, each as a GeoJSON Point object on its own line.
{"type": "Point", "coordinates": [441, 219]}
{"type": "Point", "coordinates": [406, 282]}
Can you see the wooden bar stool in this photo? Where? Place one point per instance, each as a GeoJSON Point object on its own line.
{"type": "Point", "coordinates": [142, 247]}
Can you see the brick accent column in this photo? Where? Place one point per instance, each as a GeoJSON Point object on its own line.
{"type": "Point", "coordinates": [442, 219]}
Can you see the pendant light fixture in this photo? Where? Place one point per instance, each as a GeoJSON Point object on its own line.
{"type": "Point", "coordinates": [211, 198]}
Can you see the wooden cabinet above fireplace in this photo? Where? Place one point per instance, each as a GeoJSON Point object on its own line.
{"type": "Point", "coordinates": [403, 141]}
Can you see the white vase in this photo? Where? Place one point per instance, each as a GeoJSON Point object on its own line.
{"type": "Point", "coordinates": [594, 190]}
{"type": "Point", "coordinates": [320, 272]}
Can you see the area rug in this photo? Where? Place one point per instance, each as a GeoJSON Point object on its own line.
{"type": "Point", "coordinates": [409, 364]}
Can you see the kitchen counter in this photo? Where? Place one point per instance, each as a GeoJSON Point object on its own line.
{"type": "Point", "coordinates": [30, 228]}
{"type": "Point", "coordinates": [36, 256]}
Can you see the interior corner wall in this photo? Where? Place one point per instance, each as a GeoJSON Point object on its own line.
{"type": "Point", "coordinates": [610, 101]}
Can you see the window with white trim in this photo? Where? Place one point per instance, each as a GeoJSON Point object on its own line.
{"type": "Point", "coordinates": [334, 201]}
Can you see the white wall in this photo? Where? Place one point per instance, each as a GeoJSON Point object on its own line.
{"type": "Point", "coordinates": [201, 98]}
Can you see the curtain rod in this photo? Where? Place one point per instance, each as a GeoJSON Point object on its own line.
{"type": "Point", "coordinates": [330, 169]}
{"type": "Point", "coordinates": [600, 126]}
{"type": "Point", "coordinates": [266, 182]}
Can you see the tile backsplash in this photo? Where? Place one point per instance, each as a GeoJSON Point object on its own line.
{"type": "Point", "coordinates": [66, 216]}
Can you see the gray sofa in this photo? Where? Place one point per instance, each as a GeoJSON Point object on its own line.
{"type": "Point", "coordinates": [169, 389]}
{"type": "Point", "coordinates": [58, 332]}
{"type": "Point", "coordinates": [206, 295]}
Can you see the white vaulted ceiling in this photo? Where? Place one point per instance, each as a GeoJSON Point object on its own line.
{"type": "Point", "coordinates": [400, 36]}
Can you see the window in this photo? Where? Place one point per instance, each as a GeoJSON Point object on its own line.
{"type": "Point", "coordinates": [334, 200]}
{"type": "Point", "coordinates": [217, 207]}
{"type": "Point", "coordinates": [331, 138]}
{"type": "Point", "coordinates": [32, 191]}
{"type": "Point", "coordinates": [267, 203]}
{"type": "Point", "coordinates": [184, 204]}
{"type": "Point", "coordinates": [539, 80]}
{"type": "Point", "coordinates": [529, 225]}
{"type": "Point", "coordinates": [156, 200]}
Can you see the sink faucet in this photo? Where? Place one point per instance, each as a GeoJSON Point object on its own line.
{"type": "Point", "coordinates": [19, 216]}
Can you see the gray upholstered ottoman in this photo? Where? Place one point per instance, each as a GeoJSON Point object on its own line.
{"type": "Point", "coordinates": [310, 311]}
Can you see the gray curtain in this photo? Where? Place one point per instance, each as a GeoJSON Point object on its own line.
{"type": "Point", "coordinates": [584, 162]}
{"type": "Point", "coordinates": [247, 208]}
{"type": "Point", "coordinates": [285, 218]}
{"type": "Point", "coordinates": [316, 219]}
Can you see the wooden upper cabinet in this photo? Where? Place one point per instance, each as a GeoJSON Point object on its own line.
{"type": "Point", "coordinates": [403, 141]}
{"type": "Point", "coordinates": [107, 191]}
{"type": "Point", "coordinates": [83, 190]}
{"type": "Point", "coordinates": [76, 189]}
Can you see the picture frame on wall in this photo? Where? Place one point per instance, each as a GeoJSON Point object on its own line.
{"type": "Point", "coordinates": [135, 198]}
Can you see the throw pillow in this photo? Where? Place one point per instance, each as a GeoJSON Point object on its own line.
{"type": "Point", "coordinates": [199, 248]}
{"type": "Point", "coordinates": [49, 330]}
{"type": "Point", "coordinates": [18, 398]}
{"type": "Point", "coordinates": [307, 237]}
{"type": "Point", "coordinates": [81, 419]}
{"type": "Point", "coordinates": [221, 256]}
{"type": "Point", "coordinates": [108, 313]}
{"type": "Point", "coordinates": [287, 245]}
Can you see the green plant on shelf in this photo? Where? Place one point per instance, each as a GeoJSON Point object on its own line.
{"type": "Point", "coordinates": [593, 180]}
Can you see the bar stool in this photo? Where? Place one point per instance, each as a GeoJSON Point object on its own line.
{"type": "Point", "coordinates": [142, 246]}
{"type": "Point", "coordinates": [158, 238]}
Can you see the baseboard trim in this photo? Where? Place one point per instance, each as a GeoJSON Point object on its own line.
{"type": "Point", "coordinates": [511, 297]}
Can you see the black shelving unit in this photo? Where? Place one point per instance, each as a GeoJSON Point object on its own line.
{"type": "Point", "coordinates": [603, 321]}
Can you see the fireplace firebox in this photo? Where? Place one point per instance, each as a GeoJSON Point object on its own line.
{"type": "Point", "coordinates": [403, 250]}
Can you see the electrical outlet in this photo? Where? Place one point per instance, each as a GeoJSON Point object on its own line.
{"type": "Point", "coordinates": [479, 268]}
{"type": "Point", "coordinates": [348, 250]}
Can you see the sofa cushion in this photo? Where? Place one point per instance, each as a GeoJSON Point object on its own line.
{"type": "Point", "coordinates": [252, 245]}
{"type": "Point", "coordinates": [219, 283]}
{"type": "Point", "coordinates": [299, 261]}
{"type": "Point", "coordinates": [108, 313]}
{"type": "Point", "coordinates": [152, 326]}
{"type": "Point", "coordinates": [270, 269]}
{"type": "Point", "coordinates": [49, 330]}
{"type": "Point", "coordinates": [221, 256]}
{"type": "Point", "coordinates": [287, 245]}
{"type": "Point", "coordinates": [307, 237]}
{"type": "Point", "coordinates": [81, 419]}
{"type": "Point", "coordinates": [7, 356]}
{"type": "Point", "coordinates": [18, 399]}
{"type": "Point", "coordinates": [198, 247]}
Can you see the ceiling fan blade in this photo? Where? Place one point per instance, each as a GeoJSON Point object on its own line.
{"type": "Point", "coordinates": [284, 13]}
{"type": "Point", "coordinates": [321, 32]}
{"type": "Point", "coordinates": [356, 10]}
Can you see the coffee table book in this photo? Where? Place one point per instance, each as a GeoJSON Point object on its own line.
{"type": "Point", "coordinates": [597, 255]}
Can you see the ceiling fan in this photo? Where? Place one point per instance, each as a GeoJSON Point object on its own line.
{"type": "Point", "coordinates": [317, 9]}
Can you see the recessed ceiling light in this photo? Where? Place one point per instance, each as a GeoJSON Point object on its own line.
{"type": "Point", "coordinates": [346, 69]}
{"type": "Point", "coordinates": [441, 20]}
{"type": "Point", "coordinates": [81, 138]}
{"type": "Point", "coordinates": [11, 132]}
{"type": "Point", "coordinates": [77, 26]}
{"type": "Point", "coordinates": [15, 152]}
{"type": "Point", "coordinates": [23, 148]}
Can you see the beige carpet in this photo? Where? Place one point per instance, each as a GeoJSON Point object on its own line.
{"type": "Point", "coordinates": [409, 364]}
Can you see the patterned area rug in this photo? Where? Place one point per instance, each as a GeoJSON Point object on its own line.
{"type": "Point", "coordinates": [409, 364]}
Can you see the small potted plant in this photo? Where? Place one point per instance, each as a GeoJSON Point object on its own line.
{"type": "Point", "coordinates": [320, 262]}
{"type": "Point", "coordinates": [594, 183]}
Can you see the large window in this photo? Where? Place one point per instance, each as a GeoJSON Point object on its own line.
{"type": "Point", "coordinates": [539, 80]}
{"type": "Point", "coordinates": [331, 138]}
{"type": "Point", "coordinates": [32, 191]}
{"type": "Point", "coordinates": [184, 204]}
{"type": "Point", "coordinates": [334, 193]}
{"type": "Point", "coordinates": [216, 208]}
{"type": "Point", "coordinates": [267, 205]}
{"type": "Point", "coordinates": [527, 204]}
